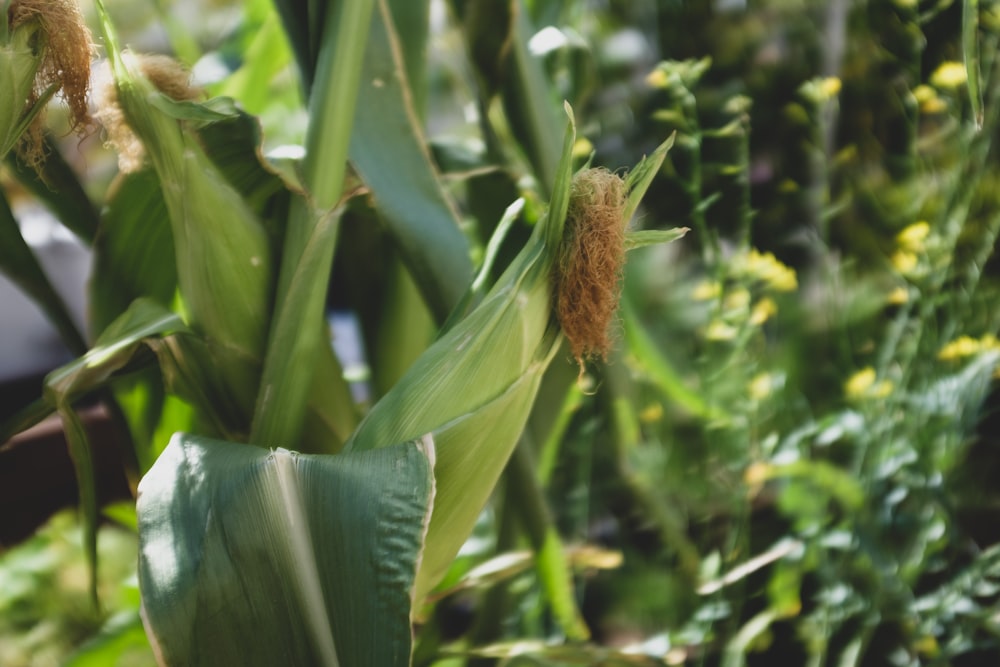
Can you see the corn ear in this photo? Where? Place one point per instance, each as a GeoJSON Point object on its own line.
{"type": "Point", "coordinates": [474, 387]}
{"type": "Point", "coordinates": [224, 264]}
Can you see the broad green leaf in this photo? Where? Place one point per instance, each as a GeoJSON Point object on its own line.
{"type": "Point", "coordinates": [412, 21]}
{"type": "Point", "coordinates": [389, 152]}
{"type": "Point", "coordinates": [223, 254]}
{"type": "Point", "coordinates": [529, 104]}
{"type": "Point", "coordinates": [266, 557]}
{"type": "Point", "coordinates": [19, 264]}
{"type": "Point", "coordinates": [265, 54]}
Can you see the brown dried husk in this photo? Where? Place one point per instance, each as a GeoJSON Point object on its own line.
{"type": "Point", "coordinates": [168, 76]}
{"type": "Point", "coordinates": [66, 62]}
{"type": "Point", "coordinates": [591, 260]}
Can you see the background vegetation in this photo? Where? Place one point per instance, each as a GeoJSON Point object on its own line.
{"type": "Point", "coordinates": [789, 456]}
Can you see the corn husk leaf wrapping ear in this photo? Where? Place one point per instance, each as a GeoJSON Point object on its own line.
{"type": "Point", "coordinates": [224, 264]}
{"type": "Point", "coordinates": [267, 557]}
{"type": "Point", "coordinates": [474, 387]}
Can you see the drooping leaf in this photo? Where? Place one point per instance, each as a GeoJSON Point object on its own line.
{"type": "Point", "coordinates": [55, 184]}
{"type": "Point", "coordinates": [265, 557]}
{"type": "Point", "coordinates": [19, 263]}
{"type": "Point", "coordinates": [111, 352]}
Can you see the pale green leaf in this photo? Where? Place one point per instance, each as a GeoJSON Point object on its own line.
{"type": "Point", "coordinates": [649, 237]}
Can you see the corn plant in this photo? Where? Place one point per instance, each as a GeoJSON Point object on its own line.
{"type": "Point", "coordinates": [313, 533]}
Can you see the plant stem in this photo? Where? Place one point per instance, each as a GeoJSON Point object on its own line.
{"type": "Point", "coordinates": [312, 229]}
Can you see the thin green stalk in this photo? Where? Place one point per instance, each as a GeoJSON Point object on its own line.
{"type": "Point", "coordinates": [312, 229]}
{"type": "Point", "coordinates": [524, 494]}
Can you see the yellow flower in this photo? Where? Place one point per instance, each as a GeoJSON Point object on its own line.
{"type": "Point", "coordinates": [763, 311]}
{"type": "Point", "coordinates": [966, 346]}
{"type": "Point", "coordinates": [757, 473]}
{"type": "Point", "coordinates": [766, 267]}
{"type": "Point", "coordinates": [651, 414]}
{"type": "Point", "coordinates": [898, 296]}
{"type": "Point", "coordinates": [706, 290]}
{"type": "Point", "coordinates": [738, 299]}
{"type": "Point", "coordinates": [913, 237]}
{"type": "Point", "coordinates": [949, 74]}
{"type": "Point", "coordinates": [582, 147]}
{"type": "Point", "coordinates": [960, 348]}
{"type": "Point", "coordinates": [719, 330]}
{"type": "Point", "coordinates": [928, 99]}
{"type": "Point", "coordinates": [657, 78]}
{"type": "Point", "coordinates": [904, 262]}
{"type": "Point", "coordinates": [760, 386]}
{"type": "Point", "coordinates": [830, 87]}
{"type": "Point", "coordinates": [863, 385]}
{"type": "Point", "coordinates": [859, 383]}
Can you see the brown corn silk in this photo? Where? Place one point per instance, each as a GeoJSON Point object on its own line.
{"type": "Point", "coordinates": [66, 61]}
{"type": "Point", "coordinates": [590, 264]}
{"type": "Point", "coordinates": [168, 76]}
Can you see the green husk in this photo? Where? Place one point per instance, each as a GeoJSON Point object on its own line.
{"type": "Point", "coordinates": [223, 256]}
{"type": "Point", "coordinates": [20, 58]}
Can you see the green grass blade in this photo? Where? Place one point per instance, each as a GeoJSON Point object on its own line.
{"type": "Point", "coordinates": [970, 54]}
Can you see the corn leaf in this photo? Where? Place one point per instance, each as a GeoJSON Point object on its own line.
{"type": "Point", "coordinates": [389, 152]}
{"type": "Point", "coordinates": [112, 351]}
{"type": "Point", "coordinates": [55, 183]}
{"type": "Point", "coordinates": [19, 264]}
{"type": "Point", "coordinates": [265, 557]}
{"type": "Point", "coordinates": [311, 235]}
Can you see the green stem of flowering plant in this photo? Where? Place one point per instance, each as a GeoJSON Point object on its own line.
{"type": "Point", "coordinates": [311, 236]}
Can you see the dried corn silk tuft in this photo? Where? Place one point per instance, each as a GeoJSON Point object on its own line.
{"type": "Point", "coordinates": [590, 265]}
{"type": "Point", "coordinates": [169, 77]}
{"type": "Point", "coordinates": [65, 62]}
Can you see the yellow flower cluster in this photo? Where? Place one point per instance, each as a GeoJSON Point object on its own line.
{"type": "Point", "coordinates": [739, 306]}
{"type": "Point", "coordinates": [949, 74]}
{"type": "Point", "coordinates": [865, 384]}
{"type": "Point", "coordinates": [928, 100]}
{"type": "Point", "coordinates": [911, 243]}
{"type": "Point", "coordinates": [966, 346]}
{"type": "Point", "coordinates": [768, 269]}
